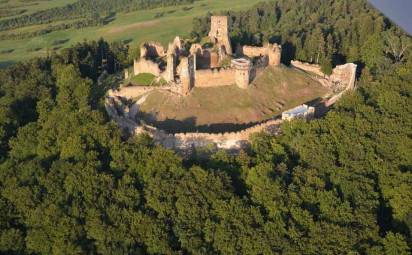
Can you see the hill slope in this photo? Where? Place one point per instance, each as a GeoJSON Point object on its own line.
{"type": "Point", "coordinates": [275, 90]}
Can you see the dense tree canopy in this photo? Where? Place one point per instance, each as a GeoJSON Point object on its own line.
{"type": "Point", "coordinates": [70, 183]}
{"type": "Point", "coordinates": [327, 32]}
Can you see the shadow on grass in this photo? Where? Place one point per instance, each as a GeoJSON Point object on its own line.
{"type": "Point", "coordinates": [189, 125]}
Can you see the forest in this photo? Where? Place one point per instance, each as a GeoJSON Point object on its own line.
{"type": "Point", "coordinates": [71, 183]}
{"type": "Point", "coordinates": [316, 31]}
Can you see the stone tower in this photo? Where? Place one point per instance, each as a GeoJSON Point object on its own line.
{"type": "Point", "coordinates": [170, 68]}
{"type": "Point", "coordinates": [219, 32]}
{"type": "Point", "coordinates": [186, 68]}
{"type": "Point", "coordinates": [242, 68]}
{"type": "Point", "coordinates": [275, 53]}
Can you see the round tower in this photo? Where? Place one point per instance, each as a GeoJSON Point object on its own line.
{"type": "Point", "coordinates": [242, 68]}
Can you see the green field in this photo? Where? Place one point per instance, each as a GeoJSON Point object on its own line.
{"type": "Point", "coordinates": [30, 7]}
{"type": "Point", "coordinates": [135, 27]}
{"type": "Point", "coordinates": [272, 92]}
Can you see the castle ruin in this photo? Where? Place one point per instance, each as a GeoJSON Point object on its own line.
{"type": "Point", "coordinates": [185, 67]}
{"type": "Point", "coordinates": [219, 33]}
{"type": "Point", "coordinates": [209, 65]}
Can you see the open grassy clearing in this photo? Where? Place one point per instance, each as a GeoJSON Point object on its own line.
{"type": "Point", "coordinates": [136, 26]}
{"type": "Point", "coordinates": [143, 79]}
{"type": "Point", "coordinates": [273, 92]}
{"type": "Point", "coordinates": [146, 79]}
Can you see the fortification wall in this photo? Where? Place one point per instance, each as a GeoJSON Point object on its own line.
{"type": "Point", "coordinates": [215, 78]}
{"type": "Point", "coordinates": [316, 69]}
{"type": "Point", "coordinates": [219, 32]}
{"type": "Point", "coordinates": [229, 140]}
{"type": "Point", "coordinates": [146, 66]}
{"type": "Point", "coordinates": [252, 51]}
{"type": "Point", "coordinates": [344, 76]}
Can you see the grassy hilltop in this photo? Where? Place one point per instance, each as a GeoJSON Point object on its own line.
{"type": "Point", "coordinates": [160, 24]}
{"type": "Point", "coordinates": [211, 109]}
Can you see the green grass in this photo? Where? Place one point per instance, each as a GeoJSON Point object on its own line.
{"type": "Point", "coordinates": [143, 79]}
{"type": "Point", "coordinates": [138, 26]}
{"type": "Point", "coordinates": [274, 91]}
{"type": "Point", "coordinates": [32, 6]}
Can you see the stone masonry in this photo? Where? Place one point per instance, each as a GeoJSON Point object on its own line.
{"type": "Point", "coordinates": [185, 66]}
{"type": "Point", "coordinates": [206, 67]}
{"type": "Point", "coordinates": [219, 32]}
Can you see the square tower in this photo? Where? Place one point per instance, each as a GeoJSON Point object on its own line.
{"type": "Point", "coordinates": [219, 32]}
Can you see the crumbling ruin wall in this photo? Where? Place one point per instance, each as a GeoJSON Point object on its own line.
{"type": "Point", "coordinates": [344, 76]}
{"type": "Point", "coordinates": [146, 66]}
{"type": "Point", "coordinates": [187, 74]}
{"type": "Point", "coordinates": [228, 140]}
{"type": "Point", "coordinates": [169, 74]}
{"type": "Point", "coordinates": [313, 68]}
{"type": "Point", "coordinates": [215, 77]}
{"type": "Point", "coordinates": [272, 51]}
{"type": "Point", "coordinates": [214, 60]}
{"type": "Point", "coordinates": [125, 116]}
{"type": "Point", "coordinates": [252, 51]}
{"type": "Point", "coordinates": [219, 32]}
{"type": "Point", "coordinates": [274, 54]}
{"type": "Point", "coordinates": [342, 79]}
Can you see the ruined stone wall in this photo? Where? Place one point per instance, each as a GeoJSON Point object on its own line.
{"type": "Point", "coordinates": [275, 54]}
{"type": "Point", "coordinates": [215, 78]}
{"type": "Point", "coordinates": [214, 60]}
{"type": "Point", "coordinates": [272, 51]}
{"type": "Point", "coordinates": [187, 74]}
{"type": "Point", "coordinates": [252, 51]}
{"type": "Point", "coordinates": [344, 76]}
{"type": "Point", "coordinates": [146, 66]}
{"type": "Point", "coordinates": [316, 69]}
{"type": "Point", "coordinates": [125, 116]}
{"type": "Point", "coordinates": [342, 79]}
{"type": "Point", "coordinates": [229, 140]}
{"type": "Point", "coordinates": [219, 32]}
{"type": "Point", "coordinates": [169, 74]}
